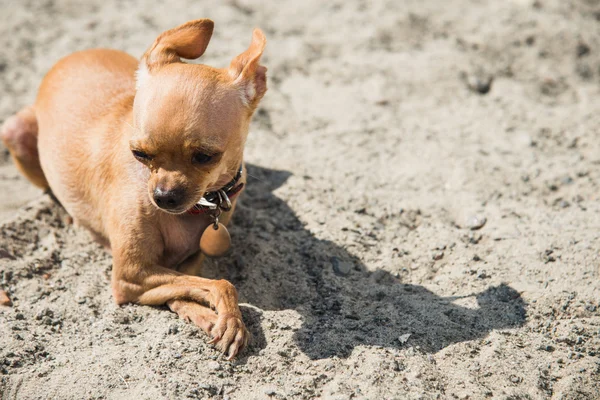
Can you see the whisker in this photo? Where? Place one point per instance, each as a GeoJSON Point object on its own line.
{"type": "Point", "coordinates": [254, 177]}
{"type": "Point", "coordinates": [131, 126]}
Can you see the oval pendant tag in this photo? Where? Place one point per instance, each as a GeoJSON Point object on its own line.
{"type": "Point", "coordinates": [215, 242]}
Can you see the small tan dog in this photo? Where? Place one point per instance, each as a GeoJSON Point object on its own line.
{"type": "Point", "coordinates": [146, 155]}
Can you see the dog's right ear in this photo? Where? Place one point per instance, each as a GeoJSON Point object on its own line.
{"type": "Point", "coordinates": [248, 74]}
{"type": "Point", "coordinates": [189, 40]}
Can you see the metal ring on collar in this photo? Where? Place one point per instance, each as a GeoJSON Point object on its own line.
{"type": "Point", "coordinates": [224, 202]}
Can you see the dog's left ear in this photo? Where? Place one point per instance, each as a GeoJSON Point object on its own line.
{"type": "Point", "coordinates": [189, 40]}
{"type": "Point", "coordinates": [248, 74]}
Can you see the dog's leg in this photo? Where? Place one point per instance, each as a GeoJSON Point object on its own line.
{"type": "Point", "coordinates": [20, 136]}
{"type": "Point", "coordinates": [138, 279]}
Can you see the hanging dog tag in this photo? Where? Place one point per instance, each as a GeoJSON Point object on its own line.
{"type": "Point", "coordinates": [215, 240]}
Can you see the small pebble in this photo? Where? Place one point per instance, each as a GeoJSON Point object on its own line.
{"type": "Point", "coordinates": [474, 238]}
{"type": "Point", "coordinates": [483, 275]}
{"type": "Point", "coordinates": [591, 307]}
{"type": "Point", "coordinates": [438, 255]}
{"type": "Point", "coordinates": [475, 222]}
{"type": "Point", "coordinates": [404, 338]}
{"type": "Point", "coordinates": [240, 262]}
{"type": "Point", "coordinates": [264, 235]}
{"type": "Point", "coordinates": [46, 312]}
{"type": "Point", "coordinates": [4, 299]}
{"type": "Point", "coordinates": [340, 267]}
{"type": "Point", "coordinates": [566, 180]}
{"type": "Point", "coordinates": [548, 257]}
{"type": "Point", "coordinates": [548, 348]}
{"type": "Point", "coordinates": [214, 365]}
{"type": "Point", "coordinates": [583, 49]}
{"type": "Point", "coordinates": [481, 85]}
{"type": "Point", "coordinates": [6, 254]}
{"type": "Point", "coordinates": [530, 40]}
{"type": "Point", "coordinates": [398, 366]}
{"type": "Point", "coordinates": [283, 353]}
{"type": "Point", "coordinates": [515, 379]}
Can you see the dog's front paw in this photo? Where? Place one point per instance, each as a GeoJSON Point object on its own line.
{"type": "Point", "coordinates": [229, 334]}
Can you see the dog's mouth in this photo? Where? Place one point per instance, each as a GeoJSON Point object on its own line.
{"type": "Point", "coordinates": [174, 210]}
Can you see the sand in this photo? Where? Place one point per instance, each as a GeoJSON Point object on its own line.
{"type": "Point", "coordinates": [360, 249]}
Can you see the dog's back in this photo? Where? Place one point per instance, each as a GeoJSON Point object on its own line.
{"type": "Point", "coordinates": [78, 92]}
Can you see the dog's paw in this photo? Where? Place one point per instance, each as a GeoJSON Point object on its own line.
{"type": "Point", "coordinates": [201, 316]}
{"type": "Point", "coordinates": [229, 335]}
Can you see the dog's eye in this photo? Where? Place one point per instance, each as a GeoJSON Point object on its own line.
{"type": "Point", "coordinates": [201, 158]}
{"type": "Point", "coordinates": [140, 155]}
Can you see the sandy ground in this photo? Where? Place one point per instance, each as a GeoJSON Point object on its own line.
{"type": "Point", "coordinates": [372, 158]}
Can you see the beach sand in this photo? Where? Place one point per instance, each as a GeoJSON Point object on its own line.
{"type": "Point", "coordinates": [421, 220]}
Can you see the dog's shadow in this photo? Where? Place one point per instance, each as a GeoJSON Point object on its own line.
{"type": "Point", "coordinates": [276, 264]}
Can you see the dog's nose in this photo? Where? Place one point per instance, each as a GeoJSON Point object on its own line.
{"type": "Point", "coordinates": [168, 199]}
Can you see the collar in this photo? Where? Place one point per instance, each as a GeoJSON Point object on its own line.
{"type": "Point", "coordinates": [219, 199]}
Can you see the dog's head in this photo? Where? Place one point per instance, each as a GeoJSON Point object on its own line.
{"type": "Point", "coordinates": [190, 120]}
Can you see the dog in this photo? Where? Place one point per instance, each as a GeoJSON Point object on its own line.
{"type": "Point", "coordinates": [148, 156]}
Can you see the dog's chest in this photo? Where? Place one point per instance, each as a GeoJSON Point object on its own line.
{"type": "Point", "coordinates": [181, 237]}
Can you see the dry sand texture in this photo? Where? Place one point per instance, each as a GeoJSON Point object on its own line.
{"type": "Point", "coordinates": [371, 160]}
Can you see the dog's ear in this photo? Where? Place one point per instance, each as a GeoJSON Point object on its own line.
{"type": "Point", "coordinates": [247, 73]}
{"type": "Point", "coordinates": [186, 41]}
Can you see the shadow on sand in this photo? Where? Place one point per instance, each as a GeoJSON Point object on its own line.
{"type": "Point", "coordinates": [276, 264]}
